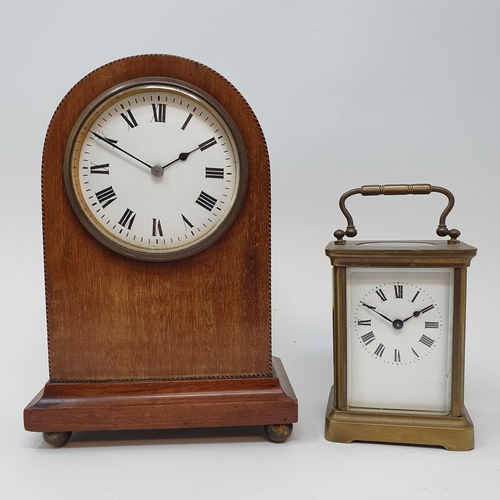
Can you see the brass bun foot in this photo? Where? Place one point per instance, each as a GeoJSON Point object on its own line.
{"type": "Point", "coordinates": [56, 439]}
{"type": "Point", "coordinates": [452, 433]}
{"type": "Point", "coordinates": [278, 433]}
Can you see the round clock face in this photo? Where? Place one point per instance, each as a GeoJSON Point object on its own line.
{"type": "Point", "coordinates": [156, 169]}
{"type": "Point", "coordinates": [399, 339]}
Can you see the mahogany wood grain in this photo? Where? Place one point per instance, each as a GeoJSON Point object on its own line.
{"type": "Point", "coordinates": [69, 407]}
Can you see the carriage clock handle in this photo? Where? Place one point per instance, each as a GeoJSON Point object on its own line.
{"type": "Point", "coordinates": [397, 189]}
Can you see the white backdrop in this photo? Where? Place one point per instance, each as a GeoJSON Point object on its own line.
{"type": "Point", "coordinates": [347, 93]}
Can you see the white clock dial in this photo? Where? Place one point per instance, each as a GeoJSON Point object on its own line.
{"type": "Point", "coordinates": [156, 170]}
{"type": "Point", "coordinates": [399, 339]}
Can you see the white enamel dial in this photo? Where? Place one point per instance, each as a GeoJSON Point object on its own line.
{"type": "Point", "coordinates": [399, 339]}
{"type": "Point", "coordinates": [156, 169]}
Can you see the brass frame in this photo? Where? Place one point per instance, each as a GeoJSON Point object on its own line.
{"type": "Point", "coordinates": [454, 431]}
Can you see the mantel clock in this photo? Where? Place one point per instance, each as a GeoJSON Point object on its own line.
{"type": "Point", "coordinates": [399, 334]}
{"type": "Point", "coordinates": [156, 225]}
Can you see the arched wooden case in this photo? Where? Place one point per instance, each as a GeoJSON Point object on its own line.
{"type": "Point", "coordinates": [142, 345]}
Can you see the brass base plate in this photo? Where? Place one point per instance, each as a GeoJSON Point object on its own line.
{"type": "Point", "coordinates": [452, 433]}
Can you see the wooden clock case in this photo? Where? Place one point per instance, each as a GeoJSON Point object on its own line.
{"type": "Point", "coordinates": [150, 345]}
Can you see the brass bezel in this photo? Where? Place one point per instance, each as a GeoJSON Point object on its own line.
{"type": "Point", "coordinates": [99, 232]}
{"type": "Point", "coordinates": [453, 431]}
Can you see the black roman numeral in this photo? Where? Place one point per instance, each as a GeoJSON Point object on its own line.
{"type": "Point", "coordinates": [159, 112]}
{"type": "Point", "coordinates": [186, 221]}
{"type": "Point", "coordinates": [100, 169]}
{"type": "Point", "coordinates": [106, 196]}
{"type": "Point", "coordinates": [129, 118]}
{"type": "Point", "coordinates": [381, 294]}
{"type": "Point", "coordinates": [206, 201]}
{"type": "Point", "coordinates": [214, 173]}
{"type": "Point", "coordinates": [415, 353]}
{"type": "Point", "coordinates": [397, 356]}
{"type": "Point", "coordinates": [367, 338]}
{"type": "Point", "coordinates": [432, 324]}
{"type": "Point", "coordinates": [398, 291]}
{"type": "Point", "coordinates": [426, 341]}
{"type": "Point", "coordinates": [415, 296]}
{"type": "Point", "coordinates": [188, 119]}
{"type": "Point", "coordinates": [157, 229]}
{"type": "Point", "coordinates": [365, 322]}
{"type": "Point", "coordinates": [207, 144]}
{"type": "Point", "coordinates": [379, 351]}
{"type": "Point", "coordinates": [127, 219]}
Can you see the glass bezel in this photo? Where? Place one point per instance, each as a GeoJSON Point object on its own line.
{"type": "Point", "coordinates": [90, 222]}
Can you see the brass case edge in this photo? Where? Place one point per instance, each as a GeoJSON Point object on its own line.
{"type": "Point", "coordinates": [451, 433]}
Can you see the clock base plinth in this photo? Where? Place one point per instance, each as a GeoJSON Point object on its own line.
{"type": "Point", "coordinates": [62, 408]}
{"type": "Point", "coordinates": [452, 433]}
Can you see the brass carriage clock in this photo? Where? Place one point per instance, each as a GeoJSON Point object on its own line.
{"type": "Point", "coordinates": [399, 334]}
{"type": "Point", "coordinates": [156, 224]}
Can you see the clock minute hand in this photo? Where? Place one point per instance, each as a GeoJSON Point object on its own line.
{"type": "Point", "coordinates": [111, 143]}
{"type": "Point", "coordinates": [374, 309]}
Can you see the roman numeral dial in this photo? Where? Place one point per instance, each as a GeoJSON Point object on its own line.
{"type": "Point", "coordinates": [167, 181]}
{"type": "Point", "coordinates": [397, 323]}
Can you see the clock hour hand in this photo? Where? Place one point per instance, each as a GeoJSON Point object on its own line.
{"type": "Point", "coordinates": [181, 157]}
{"type": "Point", "coordinates": [416, 314]}
{"type": "Point", "coordinates": [113, 144]}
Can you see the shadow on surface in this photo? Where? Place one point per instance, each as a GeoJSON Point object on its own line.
{"type": "Point", "coordinates": [164, 437]}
